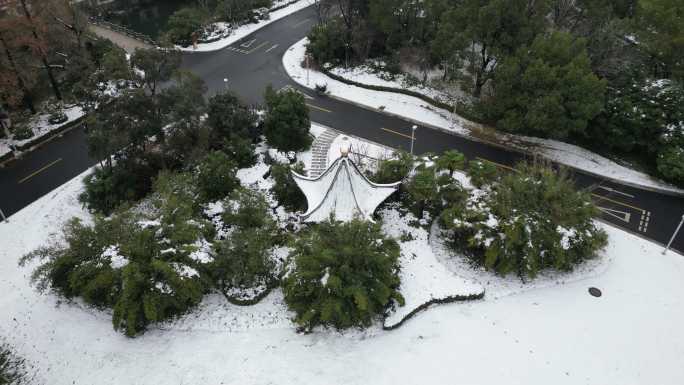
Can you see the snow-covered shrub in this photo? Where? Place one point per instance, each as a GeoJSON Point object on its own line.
{"type": "Point", "coordinates": [285, 190]}
{"type": "Point", "coordinates": [344, 275]}
{"type": "Point", "coordinates": [120, 262]}
{"type": "Point", "coordinates": [137, 262]}
{"type": "Point", "coordinates": [481, 172]}
{"type": "Point", "coordinates": [670, 162]}
{"type": "Point", "coordinates": [216, 176]}
{"type": "Point", "coordinates": [243, 260]}
{"type": "Point", "coordinates": [393, 169]}
{"type": "Point", "coordinates": [11, 367]}
{"type": "Point", "coordinates": [526, 222]}
{"type": "Point", "coordinates": [431, 187]}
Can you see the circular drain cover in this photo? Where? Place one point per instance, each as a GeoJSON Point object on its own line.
{"type": "Point", "coordinates": [595, 292]}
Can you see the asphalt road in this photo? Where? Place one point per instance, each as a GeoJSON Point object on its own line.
{"type": "Point", "coordinates": [255, 62]}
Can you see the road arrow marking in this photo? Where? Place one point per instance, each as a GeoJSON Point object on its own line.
{"type": "Point", "coordinates": [609, 189]}
{"type": "Point", "coordinates": [247, 44]}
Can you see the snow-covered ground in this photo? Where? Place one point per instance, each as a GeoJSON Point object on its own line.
{"type": "Point", "coordinates": [40, 126]}
{"type": "Point", "coordinates": [244, 30]}
{"type": "Point", "coordinates": [423, 277]}
{"type": "Point", "coordinates": [556, 334]}
{"type": "Point", "coordinates": [416, 109]}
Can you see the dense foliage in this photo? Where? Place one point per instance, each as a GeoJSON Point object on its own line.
{"type": "Point", "coordinates": [285, 190]}
{"type": "Point", "coordinates": [216, 176]}
{"type": "Point", "coordinates": [344, 275]}
{"type": "Point", "coordinates": [526, 222]}
{"type": "Point", "coordinates": [580, 71]}
{"type": "Point", "coordinates": [243, 260]}
{"type": "Point", "coordinates": [287, 123]}
{"type": "Point", "coordinates": [12, 371]}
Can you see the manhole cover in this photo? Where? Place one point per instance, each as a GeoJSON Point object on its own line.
{"type": "Point", "coordinates": [595, 292]}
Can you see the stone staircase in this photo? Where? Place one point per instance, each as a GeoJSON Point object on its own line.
{"type": "Point", "coordinates": [319, 152]}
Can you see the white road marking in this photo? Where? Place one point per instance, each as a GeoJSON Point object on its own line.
{"type": "Point", "coordinates": [271, 48]}
{"type": "Point", "coordinates": [247, 44]}
{"type": "Point", "coordinates": [615, 191]}
{"type": "Point", "coordinates": [621, 215]}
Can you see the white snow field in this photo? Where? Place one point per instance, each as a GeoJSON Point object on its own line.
{"type": "Point", "coordinates": [553, 334]}
{"type": "Point", "coordinates": [244, 30]}
{"type": "Point", "coordinates": [418, 110]}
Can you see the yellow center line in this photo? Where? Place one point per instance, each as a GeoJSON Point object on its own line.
{"type": "Point", "coordinates": [618, 202]}
{"type": "Point", "coordinates": [318, 108]}
{"type": "Point", "coordinates": [396, 133]}
{"type": "Point", "coordinates": [497, 164]}
{"type": "Point", "coordinates": [39, 171]}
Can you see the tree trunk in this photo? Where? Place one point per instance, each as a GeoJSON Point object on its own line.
{"type": "Point", "coordinates": [28, 101]}
{"type": "Point", "coordinates": [43, 56]}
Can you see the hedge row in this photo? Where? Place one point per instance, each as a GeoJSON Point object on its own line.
{"type": "Point", "coordinates": [459, 108]}
{"type": "Point", "coordinates": [450, 299]}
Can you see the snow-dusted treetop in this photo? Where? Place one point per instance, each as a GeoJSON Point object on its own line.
{"type": "Point", "coordinates": [342, 191]}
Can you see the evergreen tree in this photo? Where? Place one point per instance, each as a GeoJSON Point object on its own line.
{"type": "Point", "coordinates": [285, 189]}
{"type": "Point", "coordinates": [344, 275]}
{"type": "Point", "coordinates": [547, 89]}
{"type": "Point", "coordinates": [216, 176]}
{"type": "Point", "coordinates": [451, 160]}
{"type": "Point", "coordinates": [227, 117]}
{"type": "Point", "coordinates": [287, 120]}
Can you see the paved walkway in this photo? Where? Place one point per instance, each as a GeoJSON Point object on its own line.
{"type": "Point", "coordinates": [319, 152]}
{"type": "Point", "coordinates": [128, 43]}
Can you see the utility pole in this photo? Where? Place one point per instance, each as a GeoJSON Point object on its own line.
{"type": "Point", "coordinates": [413, 136]}
{"type": "Point", "coordinates": [307, 69]}
{"type": "Point", "coordinates": [679, 226]}
{"type": "Point", "coordinates": [43, 56]}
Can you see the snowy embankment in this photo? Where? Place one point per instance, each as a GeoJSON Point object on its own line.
{"type": "Point", "coordinates": [424, 280]}
{"type": "Point", "coordinates": [40, 126]}
{"type": "Point", "coordinates": [418, 110]}
{"type": "Point", "coordinates": [245, 29]}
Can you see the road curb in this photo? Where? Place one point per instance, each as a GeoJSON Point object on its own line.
{"type": "Point", "coordinates": [491, 143]}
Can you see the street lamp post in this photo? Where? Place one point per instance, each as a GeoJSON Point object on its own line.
{"type": "Point", "coordinates": [307, 69]}
{"type": "Point", "coordinates": [679, 226]}
{"type": "Point", "coordinates": [413, 136]}
{"type": "Point", "coordinates": [225, 82]}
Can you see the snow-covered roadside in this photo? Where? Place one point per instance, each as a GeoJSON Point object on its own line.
{"type": "Point", "coordinates": [40, 127]}
{"type": "Point", "coordinates": [423, 277]}
{"type": "Point", "coordinates": [557, 334]}
{"type": "Point", "coordinates": [417, 109]}
{"type": "Point", "coordinates": [244, 30]}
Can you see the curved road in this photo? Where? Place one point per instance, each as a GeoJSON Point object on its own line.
{"type": "Point", "coordinates": [255, 62]}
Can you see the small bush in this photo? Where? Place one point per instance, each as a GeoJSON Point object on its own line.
{"type": "Point", "coordinates": [393, 170]}
{"type": "Point", "coordinates": [527, 222]}
{"type": "Point", "coordinates": [481, 172]}
{"type": "Point", "coordinates": [670, 163]}
{"type": "Point", "coordinates": [285, 189]}
{"type": "Point", "coordinates": [247, 208]}
{"type": "Point", "coordinates": [216, 176]}
{"type": "Point", "coordinates": [240, 150]}
{"type": "Point", "coordinates": [344, 275]}
{"type": "Point", "coordinates": [22, 132]}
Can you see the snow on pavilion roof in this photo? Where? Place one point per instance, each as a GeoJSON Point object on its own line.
{"type": "Point", "coordinates": [342, 191]}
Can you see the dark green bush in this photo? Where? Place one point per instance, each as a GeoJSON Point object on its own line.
{"type": "Point", "coordinates": [227, 117]}
{"type": "Point", "coordinates": [106, 189]}
{"type": "Point", "coordinates": [285, 189]}
{"type": "Point", "coordinates": [12, 371]}
{"type": "Point", "coordinates": [287, 123]}
{"type": "Point", "coordinates": [326, 42]}
{"type": "Point", "coordinates": [246, 208]}
{"type": "Point", "coordinates": [241, 150]}
{"type": "Point", "coordinates": [216, 176]}
{"type": "Point", "coordinates": [527, 222]}
{"type": "Point", "coordinates": [344, 275]}
{"type": "Point", "coordinates": [393, 170]}
{"type": "Point", "coordinates": [482, 172]}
